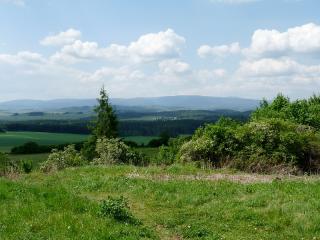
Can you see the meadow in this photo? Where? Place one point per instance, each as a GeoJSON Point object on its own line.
{"type": "Point", "coordinates": [12, 139]}
{"type": "Point", "coordinates": [176, 202]}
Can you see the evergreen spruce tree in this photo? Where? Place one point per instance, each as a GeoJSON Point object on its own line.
{"type": "Point", "coordinates": [105, 124]}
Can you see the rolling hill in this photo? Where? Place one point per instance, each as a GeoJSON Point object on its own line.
{"type": "Point", "coordinates": [165, 103]}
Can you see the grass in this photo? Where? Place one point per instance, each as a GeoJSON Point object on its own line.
{"type": "Point", "coordinates": [66, 204]}
{"type": "Point", "coordinates": [11, 139]}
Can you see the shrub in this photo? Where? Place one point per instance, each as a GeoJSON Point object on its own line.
{"type": "Point", "coordinates": [163, 140]}
{"type": "Point", "coordinates": [57, 160]}
{"type": "Point", "coordinates": [213, 143]}
{"type": "Point", "coordinates": [276, 142]}
{"type": "Point", "coordinates": [7, 166]}
{"type": "Point", "coordinates": [169, 154]}
{"type": "Point", "coordinates": [27, 166]}
{"type": "Point", "coordinates": [304, 111]}
{"type": "Point", "coordinates": [118, 209]}
{"type": "Point", "coordinates": [88, 149]}
{"type": "Point", "coordinates": [114, 151]}
{"type": "Point", "coordinates": [199, 150]}
{"type": "Point", "coordinates": [263, 145]}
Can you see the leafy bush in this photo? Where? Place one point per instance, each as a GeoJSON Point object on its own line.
{"type": "Point", "coordinates": [57, 160]}
{"type": "Point", "coordinates": [163, 140]}
{"type": "Point", "coordinates": [169, 154]}
{"type": "Point", "coordinates": [274, 142]}
{"type": "Point", "coordinates": [304, 111]}
{"type": "Point", "coordinates": [114, 151]}
{"type": "Point", "coordinates": [27, 166]}
{"type": "Point", "coordinates": [7, 166]}
{"type": "Point", "coordinates": [118, 209]}
{"type": "Point", "coordinates": [263, 145]}
{"type": "Point", "coordinates": [88, 150]}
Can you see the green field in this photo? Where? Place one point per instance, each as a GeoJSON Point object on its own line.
{"type": "Point", "coordinates": [11, 139]}
{"type": "Point", "coordinates": [36, 159]}
{"type": "Point", "coordinates": [141, 139]}
{"type": "Point", "coordinates": [171, 203]}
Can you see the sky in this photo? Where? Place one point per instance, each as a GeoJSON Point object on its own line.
{"type": "Point", "coordinates": [141, 48]}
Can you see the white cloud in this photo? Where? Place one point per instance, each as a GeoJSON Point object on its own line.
{"type": "Point", "coordinates": [209, 76]}
{"type": "Point", "coordinates": [173, 66]}
{"type": "Point", "coordinates": [149, 47]}
{"type": "Point", "coordinates": [157, 45]}
{"type": "Point", "coordinates": [219, 51]}
{"type": "Point", "coordinates": [301, 39]}
{"type": "Point", "coordinates": [284, 68]}
{"type": "Point", "coordinates": [67, 37]}
{"type": "Point", "coordinates": [113, 75]}
{"type": "Point", "coordinates": [24, 57]}
{"type": "Point", "coordinates": [152, 66]}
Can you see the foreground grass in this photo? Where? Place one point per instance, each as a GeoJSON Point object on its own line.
{"type": "Point", "coordinates": [170, 204]}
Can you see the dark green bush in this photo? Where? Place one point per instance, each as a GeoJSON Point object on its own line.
{"type": "Point", "coordinates": [33, 147]}
{"type": "Point", "coordinates": [118, 209]}
{"type": "Point", "coordinates": [259, 146]}
{"type": "Point", "coordinates": [169, 154]}
{"type": "Point", "coordinates": [304, 111]}
{"type": "Point", "coordinates": [27, 166]}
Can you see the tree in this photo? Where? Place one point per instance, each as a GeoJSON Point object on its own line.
{"type": "Point", "coordinates": [106, 122]}
{"type": "Point", "coordinates": [104, 125]}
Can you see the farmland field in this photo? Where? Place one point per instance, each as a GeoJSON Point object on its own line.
{"type": "Point", "coordinates": [36, 159]}
{"type": "Point", "coordinates": [176, 202]}
{"type": "Point", "coordinates": [140, 139]}
{"type": "Point", "coordinates": [11, 139]}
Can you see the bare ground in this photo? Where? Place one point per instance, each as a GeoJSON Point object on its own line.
{"type": "Point", "coordinates": [238, 178]}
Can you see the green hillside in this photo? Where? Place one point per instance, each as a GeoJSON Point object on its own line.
{"type": "Point", "coordinates": [170, 203]}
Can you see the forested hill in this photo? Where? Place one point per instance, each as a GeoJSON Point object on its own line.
{"type": "Point", "coordinates": [149, 103]}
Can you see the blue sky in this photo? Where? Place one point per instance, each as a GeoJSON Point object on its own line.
{"type": "Point", "coordinates": [246, 48]}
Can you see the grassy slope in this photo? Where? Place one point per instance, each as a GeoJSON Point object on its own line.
{"type": "Point", "coordinates": [65, 205]}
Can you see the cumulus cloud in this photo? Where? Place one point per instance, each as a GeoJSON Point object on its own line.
{"type": "Point", "coordinates": [269, 67]}
{"type": "Point", "coordinates": [24, 57]}
{"type": "Point", "coordinates": [67, 37]}
{"type": "Point", "coordinates": [161, 44]}
{"type": "Point", "coordinates": [301, 39]}
{"type": "Point", "coordinates": [155, 59]}
{"type": "Point", "coordinates": [113, 75]}
{"type": "Point", "coordinates": [149, 47]}
{"type": "Point", "coordinates": [219, 51]}
{"type": "Point", "coordinates": [173, 66]}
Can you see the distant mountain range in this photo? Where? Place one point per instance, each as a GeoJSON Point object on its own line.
{"type": "Point", "coordinates": [148, 104]}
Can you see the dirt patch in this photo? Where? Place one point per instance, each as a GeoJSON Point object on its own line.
{"type": "Point", "coordinates": [238, 178]}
